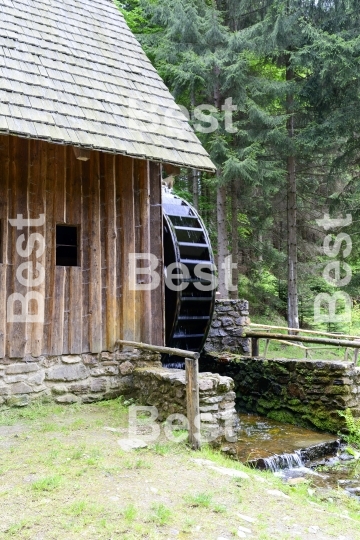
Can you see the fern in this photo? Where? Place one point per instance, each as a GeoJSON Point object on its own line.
{"type": "Point", "coordinates": [353, 428]}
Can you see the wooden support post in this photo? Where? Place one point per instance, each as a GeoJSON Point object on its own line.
{"type": "Point", "coordinates": [254, 346]}
{"type": "Point", "coordinates": [192, 402]}
{"type": "Point", "coordinates": [267, 343]}
{"type": "Point", "coordinates": [356, 354]}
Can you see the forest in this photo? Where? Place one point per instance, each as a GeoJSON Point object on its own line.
{"type": "Point", "coordinates": [272, 90]}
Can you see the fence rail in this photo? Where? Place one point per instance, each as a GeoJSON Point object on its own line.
{"type": "Point", "coordinates": [289, 338]}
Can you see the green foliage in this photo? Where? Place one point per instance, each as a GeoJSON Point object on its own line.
{"type": "Point", "coordinates": [264, 56]}
{"type": "Point", "coordinates": [353, 428]}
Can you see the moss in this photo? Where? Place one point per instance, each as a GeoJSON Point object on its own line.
{"type": "Point", "coordinates": [283, 415]}
{"type": "Point", "coordinates": [294, 402]}
{"type": "Point", "coordinates": [323, 424]}
{"type": "Point", "coordinates": [268, 403]}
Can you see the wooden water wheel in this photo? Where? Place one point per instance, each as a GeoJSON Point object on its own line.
{"type": "Point", "coordinates": [188, 312]}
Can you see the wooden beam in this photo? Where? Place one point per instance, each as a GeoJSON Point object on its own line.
{"type": "Point", "coordinates": [171, 170]}
{"type": "Point", "coordinates": [82, 154]}
{"type": "Point", "coordinates": [192, 402]}
{"type": "Point", "coordinates": [158, 349]}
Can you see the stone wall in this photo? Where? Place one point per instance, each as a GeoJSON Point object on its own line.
{"type": "Point", "coordinates": [81, 378]}
{"type": "Point", "coordinates": [139, 375]}
{"type": "Point", "coordinates": [303, 392]}
{"type": "Point", "coordinates": [227, 328]}
{"type": "Point", "coordinates": [166, 389]}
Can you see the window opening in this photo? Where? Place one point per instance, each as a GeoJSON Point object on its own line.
{"type": "Point", "coordinates": [67, 252]}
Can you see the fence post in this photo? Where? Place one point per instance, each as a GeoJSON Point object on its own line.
{"type": "Point", "coordinates": [254, 346]}
{"type": "Point", "coordinates": [192, 402]}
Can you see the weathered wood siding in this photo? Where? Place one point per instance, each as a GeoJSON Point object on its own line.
{"type": "Point", "coordinates": [115, 200]}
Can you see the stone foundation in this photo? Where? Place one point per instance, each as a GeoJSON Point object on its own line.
{"type": "Point", "coordinates": [81, 378]}
{"type": "Point", "coordinates": [139, 375]}
{"type": "Point", "coordinates": [304, 392]}
{"type": "Point", "coordinates": [228, 327]}
{"type": "Point", "coordinates": [166, 389]}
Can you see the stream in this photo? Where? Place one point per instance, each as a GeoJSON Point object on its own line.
{"type": "Point", "coordinates": [295, 453]}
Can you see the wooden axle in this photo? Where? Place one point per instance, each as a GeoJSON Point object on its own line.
{"type": "Point", "coordinates": [158, 349]}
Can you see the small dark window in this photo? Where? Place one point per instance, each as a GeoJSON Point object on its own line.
{"type": "Point", "coordinates": [67, 253]}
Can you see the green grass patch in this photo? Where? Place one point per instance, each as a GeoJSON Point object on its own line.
{"type": "Point", "coordinates": [161, 514]}
{"type": "Point", "coordinates": [49, 483]}
{"type": "Point", "coordinates": [129, 513]}
{"type": "Point", "coordinates": [202, 500]}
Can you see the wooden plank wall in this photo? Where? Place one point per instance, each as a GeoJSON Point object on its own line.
{"type": "Point", "coordinates": [116, 203]}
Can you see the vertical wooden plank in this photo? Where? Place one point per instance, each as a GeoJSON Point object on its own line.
{"type": "Point", "coordinates": [138, 172]}
{"type": "Point", "coordinates": [57, 278]}
{"type": "Point", "coordinates": [103, 252]}
{"type": "Point", "coordinates": [50, 191]}
{"type": "Point", "coordinates": [73, 290]}
{"type": "Point", "coordinates": [85, 257]}
{"type": "Point", "coordinates": [58, 307]}
{"type": "Point", "coordinates": [3, 298]}
{"type": "Point", "coordinates": [37, 181]}
{"type": "Point", "coordinates": [95, 303]}
{"type": "Point", "coordinates": [4, 215]}
{"type": "Point", "coordinates": [75, 309]}
{"type": "Point", "coordinates": [118, 260]}
{"type": "Point", "coordinates": [17, 331]}
{"type": "Point", "coordinates": [127, 212]}
{"type": "Point", "coordinates": [145, 248]}
{"type": "Point", "coordinates": [156, 247]}
{"type": "Point", "coordinates": [111, 251]}
{"type": "Point", "coordinates": [66, 324]}
{"type": "Point", "coordinates": [192, 402]}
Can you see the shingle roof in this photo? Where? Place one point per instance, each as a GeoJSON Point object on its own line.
{"type": "Point", "coordinates": [71, 72]}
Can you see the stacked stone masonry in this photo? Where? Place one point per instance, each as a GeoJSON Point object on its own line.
{"type": "Point", "coordinates": [303, 392]}
{"type": "Point", "coordinates": [81, 378]}
{"type": "Point", "coordinates": [228, 327]}
{"type": "Point", "coordinates": [166, 390]}
{"type": "Point", "coordinates": [88, 378]}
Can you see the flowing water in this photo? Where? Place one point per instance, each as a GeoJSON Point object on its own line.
{"type": "Point", "coordinates": [269, 444]}
{"type": "Point", "coordinates": [292, 453]}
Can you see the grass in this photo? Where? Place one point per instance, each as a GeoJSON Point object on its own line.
{"type": "Point", "coordinates": [72, 481]}
{"type": "Point", "coordinates": [202, 500]}
{"type": "Point", "coordinates": [48, 483]}
{"type": "Point", "coordinates": [130, 513]}
{"type": "Point", "coordinates": [161, 514]}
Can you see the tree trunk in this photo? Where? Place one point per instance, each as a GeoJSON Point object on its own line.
{"type": "Point", "coordinates": [234, 239]}
{"type": "Point", "coordinates": [292, 311]}
{"type": "Point", "coordinates": [222, 238]}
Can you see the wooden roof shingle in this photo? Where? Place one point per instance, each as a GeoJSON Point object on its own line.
{"type": "Point", "coordinates": [71, 72]}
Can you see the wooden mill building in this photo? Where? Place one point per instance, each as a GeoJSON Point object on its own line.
{"type": "Point", "coordinates": [86, 124]}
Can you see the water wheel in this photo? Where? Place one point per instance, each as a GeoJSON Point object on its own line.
{"type": "Point", "coordinates": [188, 312]}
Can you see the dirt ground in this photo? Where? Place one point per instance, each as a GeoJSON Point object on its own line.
{"type": "Point", "coordinates": [64, 476]}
